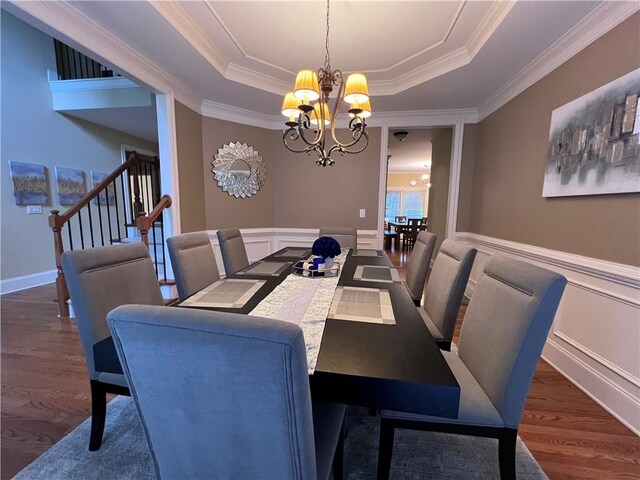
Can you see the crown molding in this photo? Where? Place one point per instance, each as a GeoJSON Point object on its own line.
{"type": "Point", "coordinates": [441, 65]}
{"type": "Point", "coordinates": [422, 118]}
{"type": "Point", "coordinates": [175, 15]}
{"type": "Point", "coordinates": [404, 119]}
{"type": "Point", "coordinates": [62, 17]}
{"type": "Point", "coordinates": [258, 80]}
{"type": "Point", "coordinates": [241, 115]}
{"type": "Point", "coordinates": [603, 18]}
{"type": "Point", "coordinates": [492, 19]}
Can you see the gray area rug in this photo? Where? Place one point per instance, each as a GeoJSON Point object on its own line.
{"type": "Point", "coordinates": [417, 455]}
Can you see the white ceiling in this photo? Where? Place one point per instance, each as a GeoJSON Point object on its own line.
{"type": "Point", "coordinates": [414, 152]}
{"type": "Point", "coordinates": [420, 55]}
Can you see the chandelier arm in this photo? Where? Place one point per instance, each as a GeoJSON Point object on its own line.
{"type": "Point", "coordinates": [343, 149]}
{"type": "Point", "coordinates": [357, 129]}
{"type": "Point", "coordinates": [288, 133]}
{"type": "Point", "coordinates": [304, 126]}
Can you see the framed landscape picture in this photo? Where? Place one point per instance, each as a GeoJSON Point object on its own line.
{"type": "Point", "coordinates": [593, 142]}
{"type": "Point", "coordinates": [29, 183]}
{"type": "Point", "coordinates": [71, 187]}
{"type": "Point", "coordinates": [106, 197]}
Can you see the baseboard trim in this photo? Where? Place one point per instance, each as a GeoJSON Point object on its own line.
{"type": "Point", "coordinates": [16, 284]}
{"type": "Point", "coordinates": [596, 386]}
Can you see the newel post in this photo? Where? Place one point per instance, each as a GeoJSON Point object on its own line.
{"type": "Point", "coordinates": [142, 224]}
{"type": "Point", "coordinates": [56, 223]}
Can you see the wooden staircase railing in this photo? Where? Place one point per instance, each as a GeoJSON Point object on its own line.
{"type": "Point", "coordinates": [120, 200]}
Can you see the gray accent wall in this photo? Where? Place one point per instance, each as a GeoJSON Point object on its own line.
{"type": "Point", "coordinates": [511, 156]}
{"type": "Point", "coordinates": [33, 132]}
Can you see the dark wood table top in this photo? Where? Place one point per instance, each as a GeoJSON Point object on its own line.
{"type": "Point", "coordinates": [397, 367]}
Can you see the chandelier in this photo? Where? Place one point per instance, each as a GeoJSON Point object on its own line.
{"type": "Point", "coordinates": [309, 122]}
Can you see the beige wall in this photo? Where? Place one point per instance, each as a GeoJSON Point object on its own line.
{"type": "Point", "coordinates": [222, 210]}
{"type": "Point", "coordinates": [511, 157]}
{"type": "Point", "coordinates": [466, 177]}
{"type": "Point", "coordinates": [439, 191]}
{"type": "Point", "coordinates": [33, 132]}
{"type": "Point", "coordinates": [308, 196]}
{"type": "Point", "coordinates": [297, 193]}
{"type": "Point", "coordinates": [401, 180]}
{"type": "Point", "coordinates": [189, 145]}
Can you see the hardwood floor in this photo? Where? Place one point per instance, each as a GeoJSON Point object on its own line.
{"type": "Point", "coordinates": [45, 394]}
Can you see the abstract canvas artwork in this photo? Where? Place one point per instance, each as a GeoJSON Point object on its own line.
{"type": "Point", "coordinates": [106, 197]}
{"type": "Point", "coordinates": [29, 183]}
{"type": "Point", "coordinates": [71, 187]}
{"type": "Point", "coordinates": [593, 142]}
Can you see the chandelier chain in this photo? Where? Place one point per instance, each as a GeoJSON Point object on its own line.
{"type": "Point", "coordinates": [327, 63]}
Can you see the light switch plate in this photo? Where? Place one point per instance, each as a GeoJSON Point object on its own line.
{"type": "Point", "coordinates": [362, 212]}
{"type": "Point", "coordinates": [31, 209]}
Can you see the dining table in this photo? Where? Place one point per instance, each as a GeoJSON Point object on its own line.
{"type": "Point", "coordinates": [372, 349]}
{"type": "Point", "coordinates": [367, 344]}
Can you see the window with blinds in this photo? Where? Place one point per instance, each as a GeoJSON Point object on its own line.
{"type": "Point", "coordinates": [409, 203]}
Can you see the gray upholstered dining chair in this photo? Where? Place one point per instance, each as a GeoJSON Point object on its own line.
{"type": "Point", "coordinates": [193, 261]}
{"type": "Point", "coordinates": [347, 237]}
{"type": "Point", "coordinates": [504, 330]}
{"type": "Point", "coordinates": [445, 289]}
{"type": "Point", "coordinates": [231, 400]}
{"type": "Point", "coordinates": [418, 267]}
{"type": "Point", "coordinates": [100, 279]}
{"type": "Point", "coordinates": [234, 253]}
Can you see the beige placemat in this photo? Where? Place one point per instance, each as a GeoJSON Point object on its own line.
{"type": "Point", "coordinates": [366, 253]}
{"type": "Point", "coordinates": [228, 293]}
{"type": "Point", "coordinates": [375, 273]}
{"type": "Point", "coordinates": [359, 304]}
{"type": "Point", "coordinates": [272, 269]}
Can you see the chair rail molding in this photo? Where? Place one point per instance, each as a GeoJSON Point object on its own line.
{"type": "Point", "coordinates": [594, 337]}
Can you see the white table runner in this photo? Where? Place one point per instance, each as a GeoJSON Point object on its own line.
{"type": "Point", "coordinates": [304, 301]}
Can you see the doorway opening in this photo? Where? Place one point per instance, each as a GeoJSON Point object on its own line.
{"type": "Point", "coordinates": [417, 187]}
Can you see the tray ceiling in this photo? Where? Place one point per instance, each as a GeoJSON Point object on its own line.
{"type": "Point", "coordinates": [397, 44]}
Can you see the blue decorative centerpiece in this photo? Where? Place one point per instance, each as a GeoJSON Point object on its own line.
{"type": "Point", "coordinates": [327, 248]}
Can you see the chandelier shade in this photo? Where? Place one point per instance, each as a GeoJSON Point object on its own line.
{"type": "Point", "coordinates": [308, 131]}
{"type": "Point", "coordinates": [356, 90]}
{"type": "Point", "coordinates": [306, 87]}
{"type": "Point", "coordinates": [290, 106]}
{"type": "Point", "coordinates": [364, 107]}
{"type": "Point", "coordinates": [317, 114]}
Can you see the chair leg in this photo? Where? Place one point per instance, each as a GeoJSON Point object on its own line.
{"type": "Point", "coordinates": [98, 414]}
{"type": "Point", "coordinates": [338, 458]}
{"type": "Point", "coordinates": [507, 453]}
{"type": "Point", "coordinates": [385, 449]}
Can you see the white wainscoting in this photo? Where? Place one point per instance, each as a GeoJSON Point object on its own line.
{"type": "Point", "coordinates": [261, 242]}
{"type": "Point", "coordinates": [595, 337]}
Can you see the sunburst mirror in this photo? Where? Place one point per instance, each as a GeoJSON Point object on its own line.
{"type": "Point", "coordinates": [238, 169]}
